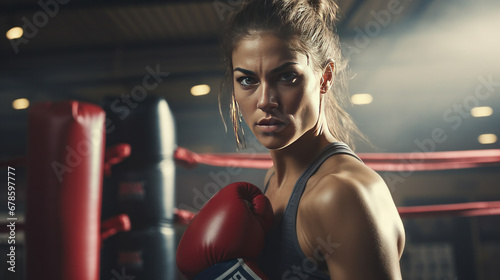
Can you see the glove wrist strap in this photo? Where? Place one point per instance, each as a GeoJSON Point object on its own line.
{"type": "Point", "coordinates": [235, 269]}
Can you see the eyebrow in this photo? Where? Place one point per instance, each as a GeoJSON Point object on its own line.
{"type": "Point", "coordinates": [277, 69]}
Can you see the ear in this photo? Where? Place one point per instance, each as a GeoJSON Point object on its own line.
{"type": "Point", "coordinates": [327, 78]}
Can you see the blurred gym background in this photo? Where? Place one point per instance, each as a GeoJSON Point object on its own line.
{"type": "Point", "coordinates": [425, 78]}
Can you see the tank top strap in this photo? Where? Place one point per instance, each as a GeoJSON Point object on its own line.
{"type": "Point", "coordinates": [300, 185]}
{"type": "Point", "coordinates": [267, 183]}
{"type": "Point", "coordinates": [328, 151]}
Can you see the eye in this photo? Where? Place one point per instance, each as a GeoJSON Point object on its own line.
{"type": "Point", "coordinates": [289, 77]}
{"type": "Point", "coordinates": [246, 81]}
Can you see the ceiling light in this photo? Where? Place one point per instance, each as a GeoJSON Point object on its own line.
{"type": "Point", "coordinates": [362, 98]}
{"type": "Point", "coordinates": [200, 90]}
{"type": "Point", "coordinates": [21, 103]}
{"type": "Point", "coordinates": [14, 33]}
{"type": "Point", "coordinates": [487, 138]}
{"type": "Point", "coordinates": [483, 111]}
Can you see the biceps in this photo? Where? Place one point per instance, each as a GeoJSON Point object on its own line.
{"type": "Point", "coordinates": [364, 255]}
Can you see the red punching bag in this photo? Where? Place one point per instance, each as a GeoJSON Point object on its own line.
{"type": "Point", "coordinates": [65, 169]}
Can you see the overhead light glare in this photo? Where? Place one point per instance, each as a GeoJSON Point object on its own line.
{"type": "Point", "coordinates": [20, 104]}
{"type": "Point", "coordinates": [487, 138]}
{"type": "Point", "coordinates": [14, 33]}
{"type": "Point", "coordinates": [199, 90]}
{"type": "Point", "coordinates": [484, 111]}
{"type": "Point", "coordinates": [362, 98]}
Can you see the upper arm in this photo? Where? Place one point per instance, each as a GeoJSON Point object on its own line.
{"type": "Point", "coordinates": [356, 218]}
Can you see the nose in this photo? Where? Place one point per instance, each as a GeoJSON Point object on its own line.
{"type": "Point", "coordinates": [267, 99]}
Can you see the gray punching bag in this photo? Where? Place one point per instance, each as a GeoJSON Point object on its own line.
{"type": "Point", "coordinates": [143, 187]}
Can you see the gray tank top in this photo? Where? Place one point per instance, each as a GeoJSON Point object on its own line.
{"type": "Point", "coordinates": [282, 257]}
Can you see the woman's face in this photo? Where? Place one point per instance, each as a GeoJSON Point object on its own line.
{"type": "Point", "coordinates": [277, 90]}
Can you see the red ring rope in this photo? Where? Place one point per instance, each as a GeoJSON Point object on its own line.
{"type": "Point", "coordinates": [376, 161]}
{"type": "Point", "coordinates": [467, 209]}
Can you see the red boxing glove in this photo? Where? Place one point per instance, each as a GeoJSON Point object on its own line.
{"type": "Point", "coordinates": [229, 231]}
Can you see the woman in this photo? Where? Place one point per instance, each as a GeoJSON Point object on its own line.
{"type": "Point", "coordinates": [334, 217]}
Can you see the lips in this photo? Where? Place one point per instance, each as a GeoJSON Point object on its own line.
{"type": "Point", "coordinates": [270, 121]}
{"type": "Point", "coordinates": [268, 125]}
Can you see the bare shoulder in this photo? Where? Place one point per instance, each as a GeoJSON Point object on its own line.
{"type": "Point", "coordinates": [344, 179]}
{"type": "Point", "coordinates": [350, 204]}
{"type": "Point", "coordinates": [349, 191]}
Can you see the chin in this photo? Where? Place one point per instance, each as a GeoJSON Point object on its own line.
{"type": "Point", "coordinates": [273, 143]}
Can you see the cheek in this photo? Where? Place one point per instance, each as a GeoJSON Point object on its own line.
{"type": "Point", "coordinates": [292, 100]}
{"type": "Point", "coordinates": [301, 100]}
{"type": "Point", "coordinates": [304, 105]}
{"type": "Point", "coordinates": [308, 113]}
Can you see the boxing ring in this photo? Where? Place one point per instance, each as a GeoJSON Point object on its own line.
{"type": "Point", "coordinates": [107, 184]}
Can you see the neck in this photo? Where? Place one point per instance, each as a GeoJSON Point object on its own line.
{"type": "Point", "coordinates": [291, 161]}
